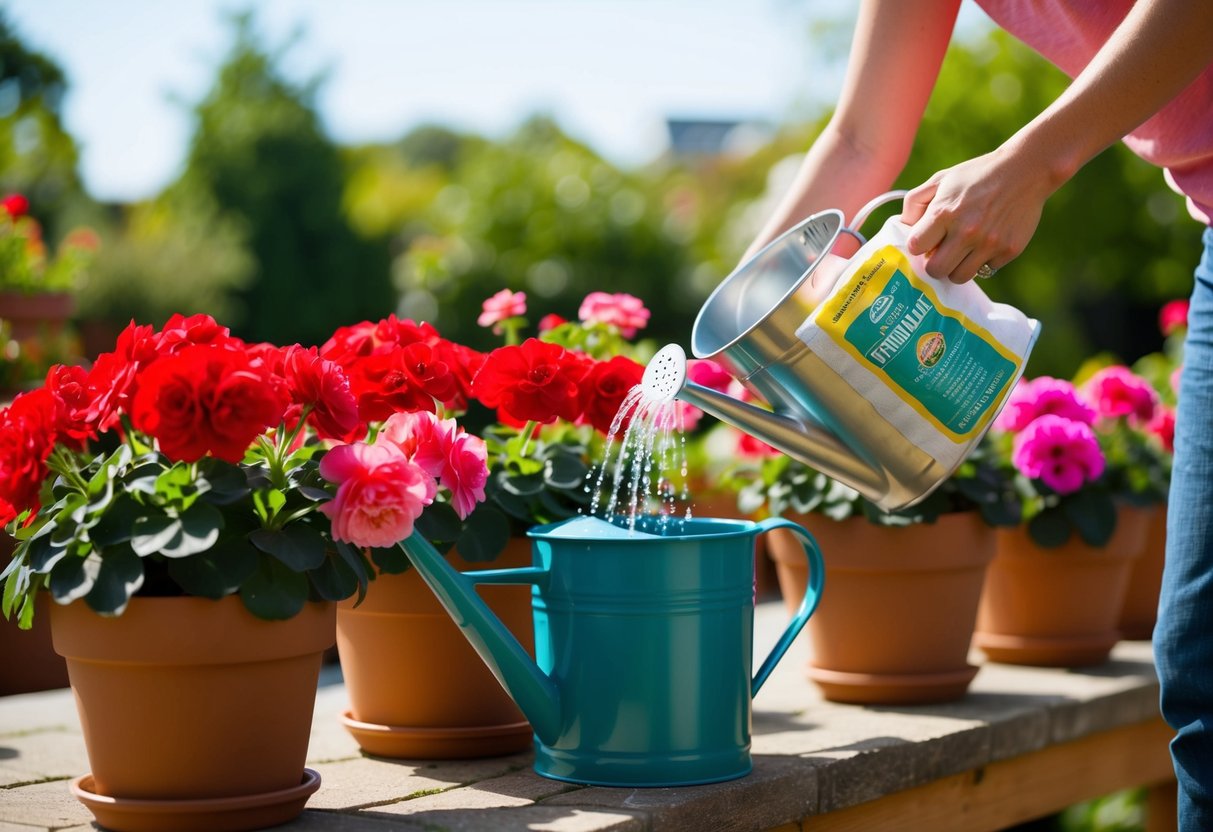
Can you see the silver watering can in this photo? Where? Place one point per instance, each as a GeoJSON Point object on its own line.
{"type": "Point", "coordinates": [877, 375]}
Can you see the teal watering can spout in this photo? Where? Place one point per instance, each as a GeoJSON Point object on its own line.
{"type": "Point", "coordinates": [531, 689]}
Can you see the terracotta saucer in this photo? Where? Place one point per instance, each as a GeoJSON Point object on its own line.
{"type": "Point", "coordinates": [406, 742]}
{"type": "Point", "coordinates": [221, 814]}
{"type": "Point", "coordinates": [1039, 651]}
{"type": "Point", "coordinates": [892, 688]}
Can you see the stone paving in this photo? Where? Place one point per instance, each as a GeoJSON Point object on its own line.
{"type": "Point", "coordinates": [810, 756]}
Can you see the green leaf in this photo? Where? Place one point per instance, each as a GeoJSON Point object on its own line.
{"type": "Point", "coordinates": [200, 525]}
{"type": "Point", "coordinates": [355, 561]}
{"type": "Point", "coordinates": [1050, 528]}
{"type": "Point", "coordinates": [120, 577]}
{"type": "Point", "coordinates": [525, 485]}
{"type": "Point", "coordinates": [439, 523]}
{"type": "Point", "coordinates": [152, 532]}
{"type": "Point", "coordinates": [298, 546]}
{"type": "Point", "coordinates": [43, 553]}
{"type": "Point", "coordinates": [16, 585]}
{"type": "Point", "coordinates": [218, 572]}
{"type": "Point", "coordinates": [117, 525]}
{"type": "Point", "coordinates": [565, 472]}
{"type": "Point", "coordinates": [485, 533]}
{"type": "Point", "coordinates": [389, 559]}
{"type": "Point", "coordinates": [274, 592]}
{"type": "Point", "coordinates": [226, 482]}
{"type": "Point", "coordinates": [73, 578]}
{"type": "Point", "coordinates": [1093, 514]}
{"type": "Point", "coordinates": [334, 580]}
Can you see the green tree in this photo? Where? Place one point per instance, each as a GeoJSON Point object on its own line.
{"type": "Point", "coordinates": [259, 154]}
{"type": "Point", "coordinates": [37, 156]}
{"type": "Point", "coordinates": [538, 212]}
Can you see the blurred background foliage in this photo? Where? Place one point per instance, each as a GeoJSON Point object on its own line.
{"type": "Point", "coordinates": [283, 234]}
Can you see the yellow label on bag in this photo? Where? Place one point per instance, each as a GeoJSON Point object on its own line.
{"type": "Point", "coordinates": [945, 366]}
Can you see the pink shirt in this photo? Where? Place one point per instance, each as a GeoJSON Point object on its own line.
{"type": "Point", "coordinates": [1178, 138]}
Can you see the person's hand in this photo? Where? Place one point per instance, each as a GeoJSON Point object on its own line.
{"type": "Point", "coordinates": [980, 213]}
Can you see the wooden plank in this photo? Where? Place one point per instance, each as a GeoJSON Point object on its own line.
{"type": "Point", "coordinates": [1162, 809]}
{"type": "Point", "coordinates": [1013, 791]}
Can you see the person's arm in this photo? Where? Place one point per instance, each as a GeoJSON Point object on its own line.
{"type": "Point", "coordinates": [985, 210]}
{"type": "Point", "coordinates": [896, 53]}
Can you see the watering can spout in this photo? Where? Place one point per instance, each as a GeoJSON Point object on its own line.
{"type": "Point", "coordinates": [799, 436]}
{"type": "Point", "coordinates": [531, 689]}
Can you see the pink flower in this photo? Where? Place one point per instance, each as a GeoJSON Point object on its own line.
{"type": "Point", "coordinates": [1042, 396]}
{"type": "Point", "coordinates": [459, 460]}
{"type": "Point", "coordinates": [1173, 316]}
{"type": "Point", "coordinates": [421, 436]}
{"type": "Point", "coordinates": [623, 311]}
{"type": "Point", "coordinates": [380, 493]}
{"type": "Point", "coordinates": [465, 472]}
{"type": "Point", "coordinates": [1117, 392]}
{"type": "Point", "coordinates": [1162, 426]}
{"type": "Point", "coordinates": [1176, 374]}
{"type": "Point", "coordinates": [504, 304]}
{"type": "Point", "coordinates": [1062, 453]}
{"type": "Point", "coordinates": [706, 373]}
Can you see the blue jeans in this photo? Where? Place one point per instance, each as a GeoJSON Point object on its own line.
{"type": "Point", "coordinates": [1183, 637]}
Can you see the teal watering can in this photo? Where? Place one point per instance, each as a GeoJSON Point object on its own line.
{"type": "Point", "coordinates": [643, 646]}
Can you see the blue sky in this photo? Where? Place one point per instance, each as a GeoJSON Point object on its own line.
{"type": "Point", "coordinates": [609, 70]}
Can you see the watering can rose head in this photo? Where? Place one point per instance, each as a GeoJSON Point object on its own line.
{"type": "Point", "coordinates": [556, 396]}
{"type": "Point", "coordinates": [1076, 451]}
{"type": "Point", "coordinates": [189, 462]}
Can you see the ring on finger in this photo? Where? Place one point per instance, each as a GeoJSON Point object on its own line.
{"type": "Point", "coordinates": [985, 271]}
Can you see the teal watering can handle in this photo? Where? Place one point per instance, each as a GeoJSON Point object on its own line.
{"type": "Point", "coordinates": [812, 595]}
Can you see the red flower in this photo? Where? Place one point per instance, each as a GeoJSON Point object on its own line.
{"type": "Point", "coordinates": [604, 389]}
{"type": "Point", "coordinates": [27, 437]}
{"type": "Point", "coordinates": [535, 381]}
{"type": "Point", "coordinates": [407, 378]}
{"type": "Point", "coordinates": [15, 205]}
{"type": "Point", "coordinates": [113, 379]}
{"type": "Point", "coordinates": [180, 332]}
{"type": "Point", "coordinates": [323, 385]}
{"type": "Point", "coordinates": [550, 321]}
{"type": "Point", "coordinates": [68, 386]}
{"type": "Point", "coordinates": [207, 399]}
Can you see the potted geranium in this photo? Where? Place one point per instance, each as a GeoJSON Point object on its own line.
{"type": "Point", "coordinates": [36, 284]}
{"type": "Point", "coordinates": [895, 622]}
{"type": "Point", "coordinates": [1091, 479]}
{"type": "Point", "coordinates": [549, 401]}
{"type": "Point", "coordinates": [195, 506]}
{"type": "Point", "coordinates": [1162, 370]}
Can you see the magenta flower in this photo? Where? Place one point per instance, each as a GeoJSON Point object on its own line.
{"type": "Point", "coordinates": [623, 311]}
{"type": "Point", "coordinates": [1061, 453]}
{"type": "Point", "coordinates": [1173, 316]}
{"type": "Point", "coordinates": [1042, 396]}
{"type": "Point", "coordinates": [1117, 392]}
{"type": "Point", "coordinates": [1162, 426]}
{"type": "Point", "coordinates": [504, 304]}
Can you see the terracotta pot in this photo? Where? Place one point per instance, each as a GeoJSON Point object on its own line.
{"type": "Point", "coordinates": [29, 660]}
{"type": "Point", "coordinates": [32, 314]}
{"type": "Point", "coordinates": [1141, 599]}
{"type": "Point", "coordinates": [1058, 607]}
{"type": "Point", "coordinates": [417, 688]}
{"type": "Point", "coordinates": [193, 707]}
{"type": "Point", "coordinates": [898, 609]}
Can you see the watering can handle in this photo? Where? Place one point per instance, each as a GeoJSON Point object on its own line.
{"type": "Point", "coordinates": [812, 595]}
{"type": "Point", "coordinates": [861, 216]}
